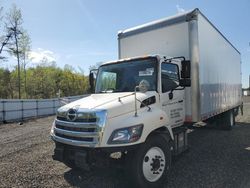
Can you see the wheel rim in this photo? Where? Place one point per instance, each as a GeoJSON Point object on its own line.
{"type": "Point", "coordinates": [154, 163]}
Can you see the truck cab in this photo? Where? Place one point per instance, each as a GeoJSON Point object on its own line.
{"type": "Point", "coordinates": [136, 100]}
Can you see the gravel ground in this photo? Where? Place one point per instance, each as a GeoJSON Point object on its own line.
{"type": "Point", "coordinates": [215, 159]}
{"type": "Point", "coordinates": [246, 99]}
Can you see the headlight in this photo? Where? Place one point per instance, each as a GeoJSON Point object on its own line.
{"type": "Point", "coordinates": [126, 135]}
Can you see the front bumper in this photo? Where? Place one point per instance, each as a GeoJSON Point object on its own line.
{"type": "Point", "coordinates": [85, 157]}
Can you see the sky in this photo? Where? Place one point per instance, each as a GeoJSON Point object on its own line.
{"type": "Point", "coordinates": [82, 33]}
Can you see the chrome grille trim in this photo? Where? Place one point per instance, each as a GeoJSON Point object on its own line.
{"type": "Point", "coordinates": [77, 134]}
{"type": "Point", "coordinates": [75, 124]}
{"type": "Point", "coordinates": [80, 138]}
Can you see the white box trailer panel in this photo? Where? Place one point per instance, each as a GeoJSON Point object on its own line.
{"type": "Point", "coordinates": [215, 62]}
{"type": "Point", "coordinates": [220, 71]}
{"type": "Point", "coordinates": [152, 42]}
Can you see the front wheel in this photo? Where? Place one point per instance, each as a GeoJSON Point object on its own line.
{"type": "Point", "coordinates": [149, 165]}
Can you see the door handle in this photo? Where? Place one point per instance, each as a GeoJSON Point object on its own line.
{"type": "Point", "coordinates": [180, 101]}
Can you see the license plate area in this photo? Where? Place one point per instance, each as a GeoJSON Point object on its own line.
{"type": "Point", "coordinates": [81, 160]}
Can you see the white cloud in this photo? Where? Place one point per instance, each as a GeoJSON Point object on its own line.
{"type": "Point", "coordinates": [38, 55]}
{"type": "Point", "coordinates": [179, 9]}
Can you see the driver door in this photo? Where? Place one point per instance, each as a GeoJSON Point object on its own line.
{"type": "Point", "coordinates": [172, 101]}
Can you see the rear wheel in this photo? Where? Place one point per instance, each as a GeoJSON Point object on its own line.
{"type": "Point", "coordinates": [149, 165]}
{"type": "Point", "coordinates": [226, 120]}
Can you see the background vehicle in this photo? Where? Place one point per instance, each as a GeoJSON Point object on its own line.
{"type": "Point", "coordinates": [143, 103]}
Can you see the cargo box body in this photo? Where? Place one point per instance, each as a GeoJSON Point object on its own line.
{"type": "Point", "coordinates": [215, 62]}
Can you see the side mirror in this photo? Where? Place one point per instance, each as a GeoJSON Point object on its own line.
{"type": "Point", "coordinates": [185, 69]}
{"type": "Point", "coordinates": [91, 82]}
{"type": "Point", "coordinates": [186, 82]}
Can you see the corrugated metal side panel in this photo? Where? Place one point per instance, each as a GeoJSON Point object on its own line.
{"type": "Point", "coordinates": [45, 104]}
{"type": "Point", "coordinates": [13, 110]}
{"type": "Point", "coordinates": [13, 105]}
{"type": "Point", "coordinates": [29, 105]}
{"type": "Point", "coordinates": [29, 108]}
{"type": "Point", "coordinates": [1, 111]}
{"type": "Point", "coordinates": [57, 103]}
{"type": "Point", "coordinates": [220, 71]}
{"type": "Point", "coordinates": [29, 113]}
{"type": "Point", "coordinates": [45, 111]}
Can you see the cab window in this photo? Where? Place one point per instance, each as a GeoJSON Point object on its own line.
{"type": "Point", "coordinates": [169, 77]}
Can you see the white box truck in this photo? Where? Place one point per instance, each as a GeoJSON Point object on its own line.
{"type": "Point", "coordinates": [171, 73]}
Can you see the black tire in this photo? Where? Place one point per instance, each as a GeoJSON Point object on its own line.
{"type": "Point", "coordinates": [138, 158]}
{"type": "Point", "coordinates": [226, 120]}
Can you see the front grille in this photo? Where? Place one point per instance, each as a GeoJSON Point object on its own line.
{"type": "Point", "coordinates": [62, 118]}
{"type": "Point", "coordinates": [83, 131]}
{"type": "Point", "coordinates": [83, 120]}
{"type": "Point", "coordinates": [79, 133]}
{"type": "Point", "coordinates": [75, 138]}
{"type": "Point", "coordinates": [79, 129]}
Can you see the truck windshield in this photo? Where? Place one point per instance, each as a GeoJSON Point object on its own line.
{"type": "Point", "coordinates": [125, 76]}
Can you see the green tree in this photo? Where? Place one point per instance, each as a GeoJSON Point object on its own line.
{"type": "Point", "coordinates": [44, 81]}
{"type": "Point", "coordinates": [5, 89]}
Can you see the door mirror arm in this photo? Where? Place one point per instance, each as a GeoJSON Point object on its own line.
{"type": "Point", "coordinates": [171, 95]}
{"type": "Point", "coordinates": [181, 88]}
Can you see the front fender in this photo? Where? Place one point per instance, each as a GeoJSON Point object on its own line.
{"type": "Point", "coordinates": [151, 120]}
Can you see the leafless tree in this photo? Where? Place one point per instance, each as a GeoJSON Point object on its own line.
{"type": "Point", "coordinates": [25, 46]}
{"type": "Point", "coordinates": [14, 30]}
{"type": "Point", "coordinates": [3, 39]}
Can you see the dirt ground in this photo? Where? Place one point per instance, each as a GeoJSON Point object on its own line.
{"type": "Point", "coordinates": [215, 158]}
